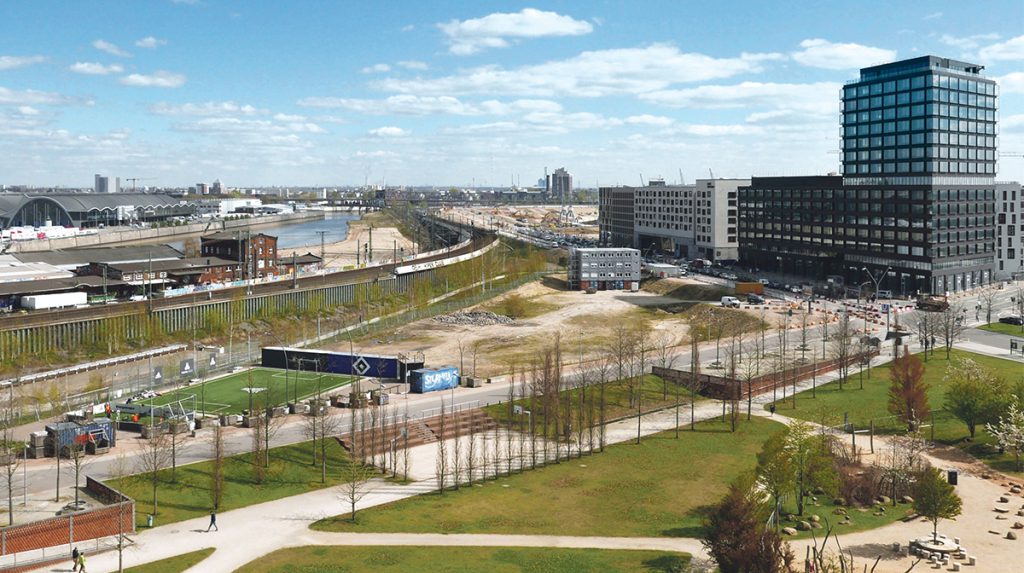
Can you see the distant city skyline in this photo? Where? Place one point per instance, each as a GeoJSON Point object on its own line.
{"type": "Point", "coordinates": [446, 93]}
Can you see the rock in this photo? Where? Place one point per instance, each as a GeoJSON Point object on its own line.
{"type": "Point", "coordinates": [1018, 525]}
{"type": "Point", "coordinates": [1001, 510]}
{"type": "Point", "coordinates": [789, 531]}
{"type": "Point", "coordinates": [1004, 499]}
{"type": "Point", "coordinates": [986, 475]}
{"type": "Point", "coordinates": [906, 499]}
{"type": "Point", "coordinates": [1020, 513]}
{"type": "Point", "coordinates": [474, 318]}
{"type": "Point", "coordinates": [1015, 489]}
{"type": "Point", "coordinates": [816, 525]}
{"type": "Point", "coordinates": [803, 526]}
{"type": "Point", "coordinates": [815, 519]}
{"type": "Point", "coordinates": [884, 499]}
{"type": "Point", "coordinates": [839, 511]}
{"type": "Point", "coordinates": [1011, 535]}
{"type": "Point", "coordinates": [838, 501]}
{"type": "Point", "coordinates": [1001, 517]}
{"type": "Point", "coordinates": [818, 491]}
{"type": "Point", "coordinates": [790, 517]}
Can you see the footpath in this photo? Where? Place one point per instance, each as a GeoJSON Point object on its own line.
{"type": "Point", "coordinates": [246, 534]}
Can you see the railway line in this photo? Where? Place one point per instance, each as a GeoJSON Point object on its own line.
{"type": "Point", "coordinates": [340, 278]}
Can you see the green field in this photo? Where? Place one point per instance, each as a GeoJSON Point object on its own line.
{"type": "Point", "coordinates": [657, 488]}
{"type": "Point", "coordinates": [290, 473]}
{"type": "Point", "coordinates": [230, 394]}
{"type": "Point", "coordinates": [175, 564]}
{"type": "Point", "coordinates": [465, 560]}
{"type": "Point", "coordinates": [1011, 329]}
{"type": "Point", "coordinates": [862, 407]}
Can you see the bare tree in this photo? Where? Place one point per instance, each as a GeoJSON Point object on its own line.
{"type": "Point", "coordinates": [119, 470]}
{"type": "Point", "coordinates": [642, 336]}
{"type": "Point", "coordinates": [471, 453]}
{"type": "Point", "coordinates": [257, 421]}
{"type": "Point", "coordinates": [951, 325]}
{"type": "Point", "coordinates": [521, 430]}
{"type": "Point", "coordinates": [406, 456]}
{"type": "Point", "coordinates": [357, 477]}
{"type": "Point", "coordinates": [842, 341]}
{"type": "Point", "coordinates": [695, 384]}
{"type": "Point", "coordinates": [666, 358]}
{"type": "Point", "coordinates": [217, 466]}
{"type": "Point", "coordinates": [154, 457]}
{"type": "Point", "coordinates": [11, 451]}
{"type": "Point", "coordinates": [900, 462]}
{"type": "Point", "coordinates": [456, 458]}
{"type": "Point", "coordinates": [441, 459]}
{"type": "Point", "coordinates": [987, 299]}
{"type": "Point", "coordinates": [76, 454]}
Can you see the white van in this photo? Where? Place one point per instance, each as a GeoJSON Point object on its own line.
{"type": "Point", "coordinates": [730, 302]}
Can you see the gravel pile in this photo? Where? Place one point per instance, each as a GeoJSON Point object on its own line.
{"type": "Point", "coordinates": [475, 318]}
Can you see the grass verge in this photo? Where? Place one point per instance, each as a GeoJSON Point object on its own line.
{"type": "Point", "coordinates": [175, 564]}
{"type": "Point", "coordinates": [465, 560]}
{"type": "Point", "coordinates": [651, 489]}
{"type": "Point", "coordinates": [999, 327]}
{"type": "Point", "coordinates": [188, 496]}
{"type": "Point", "coordinates": [861, 407]}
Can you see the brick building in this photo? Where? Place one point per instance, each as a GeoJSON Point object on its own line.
{"type": "Point", "coordinates": [256, 251]}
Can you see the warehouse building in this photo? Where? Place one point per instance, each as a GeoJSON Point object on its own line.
{"type": "Point", "coordinates": [88, 209]}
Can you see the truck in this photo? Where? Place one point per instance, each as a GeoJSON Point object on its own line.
{"type": "Point", "coordinates": [748, 288]}
{"type": "Point", "coordinates": [57, 300]}
{"type": "Point", "coordinates": [426, 380]}
{"type": "Point", "coordinates": [931, 303]}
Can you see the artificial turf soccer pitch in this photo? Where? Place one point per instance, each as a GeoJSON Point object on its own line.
{"type": "Point", "coordinates": [230, 394]}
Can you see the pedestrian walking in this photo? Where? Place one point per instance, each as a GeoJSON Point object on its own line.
{"type": "Point", "coordinates": [74, 559]}
{"type": "Point", "coordinates": [771, 409]}
{"type": "Point", "coordinates": [81, 562]}
{"type": "Point", "coordinates": [213, 522]}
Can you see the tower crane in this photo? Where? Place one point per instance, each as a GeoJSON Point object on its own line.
{"type": "Point", "coordinates": [134, 179]}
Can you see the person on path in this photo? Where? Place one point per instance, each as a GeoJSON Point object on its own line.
{"type": "Point", "coordinates": [81, 562]}
{"type": "Point", "coordinates": [74, 559]}
{"type": "Point", "coordinates": [213, 522]}
{"type": "Point", "coordinates": [772, 409]}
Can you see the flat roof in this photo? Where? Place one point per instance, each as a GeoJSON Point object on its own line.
{"type": "Point", "coordinates": [55, 285]}
{"type": "Point", "coordinates": [177, 265]}
{"type": "Point", "coordinates": [233, 236]}
{"type": "Point", "coordinates": [78, 257]}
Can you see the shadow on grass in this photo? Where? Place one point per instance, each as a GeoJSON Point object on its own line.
{"type": "Point", "coordinates": [666, 564]}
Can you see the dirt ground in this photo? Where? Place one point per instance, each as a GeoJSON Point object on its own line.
{"type": "Point", "coordinates": [534, 216]}
{"type": "Point", "coordinates": [584, 322]}
{"type": "Point", "coordinates": [343, 253]}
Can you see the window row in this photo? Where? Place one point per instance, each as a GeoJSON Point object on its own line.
{"type": "Point", "coordinates": [942, 110]}
{"type": "Point", "coordinates": [931, 137]}
{"type": "Point", "coordinates": [920, 167]}
{"type": "Point", "coordinates": [931, 124]}
{"type": "Point", "coordinates": [919, 82]}
{"type": "Point", "coordinates": [921, 153]}
{"type": "Point", "coordinates": [921, 96]}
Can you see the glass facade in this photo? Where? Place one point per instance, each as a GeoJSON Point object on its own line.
{"type": "Point", "coordinates": [921, 121]}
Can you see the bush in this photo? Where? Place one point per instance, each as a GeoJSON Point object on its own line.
{"type": "Point", "coordinates": [514, 306]}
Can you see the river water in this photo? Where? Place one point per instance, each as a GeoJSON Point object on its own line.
{"type": "Point", "coordinates": [304, 233]}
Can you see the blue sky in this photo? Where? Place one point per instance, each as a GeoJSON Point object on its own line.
{"type": "Point", "coordinates": [456, 93]}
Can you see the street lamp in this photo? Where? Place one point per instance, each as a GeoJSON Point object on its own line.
{"type": "Point", "coordinates": [876, 281]}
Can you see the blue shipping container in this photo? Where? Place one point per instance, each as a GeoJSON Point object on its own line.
{"type": "Point", "coordinates": [426, 380]}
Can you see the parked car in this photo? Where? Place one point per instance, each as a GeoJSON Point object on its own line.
{"type": "Point", "coordinates": [755, 299]}
{"type": "Point", "coordinates": [730, 302]}
{"type": "Point", "coordinates": [1015, 320]}
{"type": "Point", "coordinates": [765, 282]}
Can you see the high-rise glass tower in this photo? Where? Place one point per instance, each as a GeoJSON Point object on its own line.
{"type": "Point", "coordinates": [919, 145]}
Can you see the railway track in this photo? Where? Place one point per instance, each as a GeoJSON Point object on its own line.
{"type": "Point", "coordinates": [341, 278]}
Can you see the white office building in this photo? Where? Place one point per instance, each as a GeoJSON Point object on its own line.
{"type": "Point", "coordinates": [1009, 238]}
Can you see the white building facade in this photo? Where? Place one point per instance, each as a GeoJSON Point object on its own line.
{"type": "Point", "coordinates": [1009, 238]}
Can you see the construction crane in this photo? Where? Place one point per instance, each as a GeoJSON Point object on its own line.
{"type": "Point", "coordinates": [134, 179]}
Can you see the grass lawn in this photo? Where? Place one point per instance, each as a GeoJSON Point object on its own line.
{"type": "Point", "coordinates": [655, 394]}
{"type": "Point", "coordinates": [290, 473]}
{"type": "Point", "coordinates": [464, 560]}
{"type": "Point", "coordinates": [230, 394]}
{"type": "Point", "coordinates": [860, 407]}
{"type": "Point", "coordinates": [656, 488]}
{"type": "Point", "coordinates": [1011, 329]}
{"type": "Point", "coordinates": [175, 564]}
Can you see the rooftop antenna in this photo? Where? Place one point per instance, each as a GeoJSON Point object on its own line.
{"type": "Point", "coordinates": [681, 180]}
{"type": "Point", "coordinates": [641, 179]}
{"type": "Point", "coordinates": [711, 173]}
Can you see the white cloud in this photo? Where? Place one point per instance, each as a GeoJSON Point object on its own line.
{"type": "Point", "coordinates": [818, 53]}
{"type": "Point", "coordinates": [388, 131]}
{"type": "Point", "coordinates": [376, 68]}
{"type": "Point", "coordinates": [149, 42]}
{"type": "Point", "coordinates": [1012, 49]}
{"type": "Point", "coordinates": [715, 130]}
{"type": "Point", "coordinates": [821, 98]}
{"type": "Point", "coordinates": [495, 30]}
{"type": "Point", "coordinates": [1011, 83]}
{"type": "Point", "coordinates": [413, 65]}
{"type": "Point", "coordinates": [647, 119]}
{"type": "Point", "coordinates": [112, 49]}
{"type": "Point", "coordinates": [966, 43]}
{"type": "Point", "coordinates": [33, 97]}
{"type": "Point", "coordinates": [27, 110]}
{"type": "Point", "coordinates": [158, 79]}
{"type": "Point", "coordinates": [408, 104]}
{"type": "Point", "coordinates": [95, 68]}
{"type": "Point", "coordinates": [408, 28]}
{"type": "Point", "coordinates": [255, 126]}
{"type": "Point", "coordinates": [210, 108]}
{"type": "Point", "coordinates": [933, 16]}
{"type": "Point", "coordinates": [589, 74]}
{"type": "Point", "coordinates": [12, 62]}
{"type": "Point", "coordinates": [1012, 123]}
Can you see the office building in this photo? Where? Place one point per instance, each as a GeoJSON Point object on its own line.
{"type": "Point", "coordinates": [256, 252]}
{"type": "Point", "coordinates": [559, 185]}
{"type": "Point", "coordinates": [684, 221]}
{"type": "Point", "coordinates": [102, 184]}
{"type": "Point", "coordinates": [915, 205]}
{"type": "Point", "coordinates": [1009, 238]}
{"type": "Point", "coordinates": [217, 188]}
{"type": "Point", "coordinates": [603, 269]}
{"type": "Point", "coordinates": [615, 216]}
